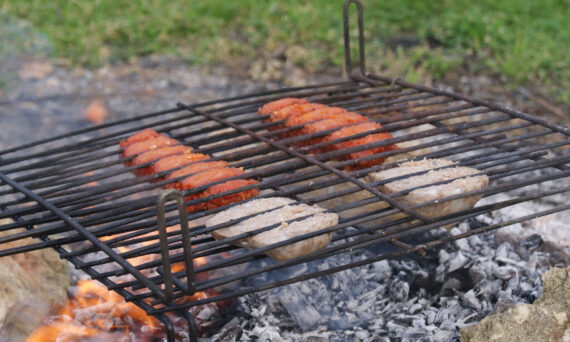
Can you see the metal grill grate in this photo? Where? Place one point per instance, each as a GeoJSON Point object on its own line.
{"type": "Point", "coordinates": [72, 192]}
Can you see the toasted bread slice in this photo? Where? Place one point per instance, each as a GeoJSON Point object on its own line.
{"type": "Point", "coordinates": [272, 211]}
{"type": "Point", "coordinates": [466, 182]}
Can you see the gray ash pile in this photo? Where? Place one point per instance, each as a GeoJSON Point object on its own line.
{"type": "Point", "coordinates": [417, 298]}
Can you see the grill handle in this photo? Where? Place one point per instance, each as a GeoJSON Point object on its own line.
{"type": "Point", "coordinates": [186, 245]}
{"type": "Point", "coordinates": [346, 26]}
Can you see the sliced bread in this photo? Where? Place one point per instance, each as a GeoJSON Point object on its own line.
{"type": "Point", "coordinates": [272, 211]}
{"type": "Point", "coordinates": [466, 182]}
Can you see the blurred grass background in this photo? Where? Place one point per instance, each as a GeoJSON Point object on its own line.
{"type": "Point", "coordinates": [520, 41]}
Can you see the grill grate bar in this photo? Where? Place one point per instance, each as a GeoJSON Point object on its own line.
{"type": "Point", "coordinates": [91, 142]}
{"type": "Point", "coordinates": [198, 230]}
{"type": "Point", "coordinates": [105, 221]}
{"type": "Point", "coordinates": [122, 184]}
{"type": "Point", "coordinates": [83, 213]}
{"type": "Point", "coordinates": [51, 161]}
{"type": "Point", "coordinates": [46, 186]}
{"type": "Point", "coordinates": [390, 123]}
{"type": "Point", "coordinates": [262, 97]}
{"type": "Point", "coordinates": [380, 236]}
{"type": "Point", "coordinates": [216, 244]}
{"type": "Point", "coordinates": [332, 270]}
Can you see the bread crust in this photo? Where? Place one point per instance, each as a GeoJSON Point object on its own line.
{"type": "Point", "coordinates": [466, 182]}
{"type": "Point", "coordinates": [272, 211]}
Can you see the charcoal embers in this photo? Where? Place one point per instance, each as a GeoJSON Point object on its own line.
{"type": "Point", "coordinates": [416, 298]}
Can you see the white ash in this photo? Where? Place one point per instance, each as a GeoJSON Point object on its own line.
{"type": "Point", "coordinates": [417, 298]}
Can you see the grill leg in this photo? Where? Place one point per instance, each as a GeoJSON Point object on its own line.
{"type": "Point", "coordinates": [192, 328]}
{"type": "Point", "coordinates": [168, 327]}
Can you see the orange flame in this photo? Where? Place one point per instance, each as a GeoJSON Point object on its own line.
{"type": "Point", "coordinates": [94, 311]}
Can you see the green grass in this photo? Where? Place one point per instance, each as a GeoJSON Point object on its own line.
{"type": "Point", "coordinates": [522, 40]}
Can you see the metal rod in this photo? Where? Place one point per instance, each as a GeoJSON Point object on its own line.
{"type": "Point", "coordinates": [311, 160]}
{"type": "Point", "coordinates": [164, 250]}
{"type": "Point", "coordinates": [362, 262]}
{"type": "Point", "coordinates": [464, 149]}
{"type": "Point", "coordinates": [229, 128]}
{"type": "Point", "coordinates": [93, 239]}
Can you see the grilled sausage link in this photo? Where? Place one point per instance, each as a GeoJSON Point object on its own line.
{"type": "Point", "coordinates": [322, 118]}
{"type": "Point", "coordinates": [172, 161]}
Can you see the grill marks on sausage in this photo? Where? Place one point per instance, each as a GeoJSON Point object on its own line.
{"type": "Point", "coordinates": [367, 139]}
{"type": "Point", "coordinates": [332, 122]}
{"type": "Point", "coordinates": [215, 175]}
{"type": "Point", "coordinates": [154, 155]}
{"type": "Point", "coordinates": [316, 115]}
{"type": "Point", "coordinates": [147, 145]}
{"type": "Point", "coordinates": [168, 154]}
{"type": "Point", "coordinates": [324, 118]}
{"type": "Point", "coordinates": [274, 106]}
{"type": "Point", "coordinates": [143, 135]}
{"type": "Point", "coordinates": [172, 162]}
{"type": "Point", "coordinates": [194, 168]}
{"type": "Point", "coordinates": [293, 111]}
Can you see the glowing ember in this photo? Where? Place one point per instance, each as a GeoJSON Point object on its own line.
{"type": "Point", "coordinates": [93, 183]}
{"type": "Point", "coordinates": [95, 311]}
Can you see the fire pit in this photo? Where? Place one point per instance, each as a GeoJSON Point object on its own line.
{"type": "Point", "coordinates": [73, 193]}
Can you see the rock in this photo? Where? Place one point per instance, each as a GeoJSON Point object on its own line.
{"type": "Point", "coordinates": [548, 319]}
{"type": "Point", "coordinates": [31, 284]}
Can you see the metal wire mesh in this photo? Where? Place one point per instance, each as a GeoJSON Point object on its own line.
{"type": "Point", "coordinates": [73, 193]}
{"type": "Point", "coordinates": [117, 214]}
